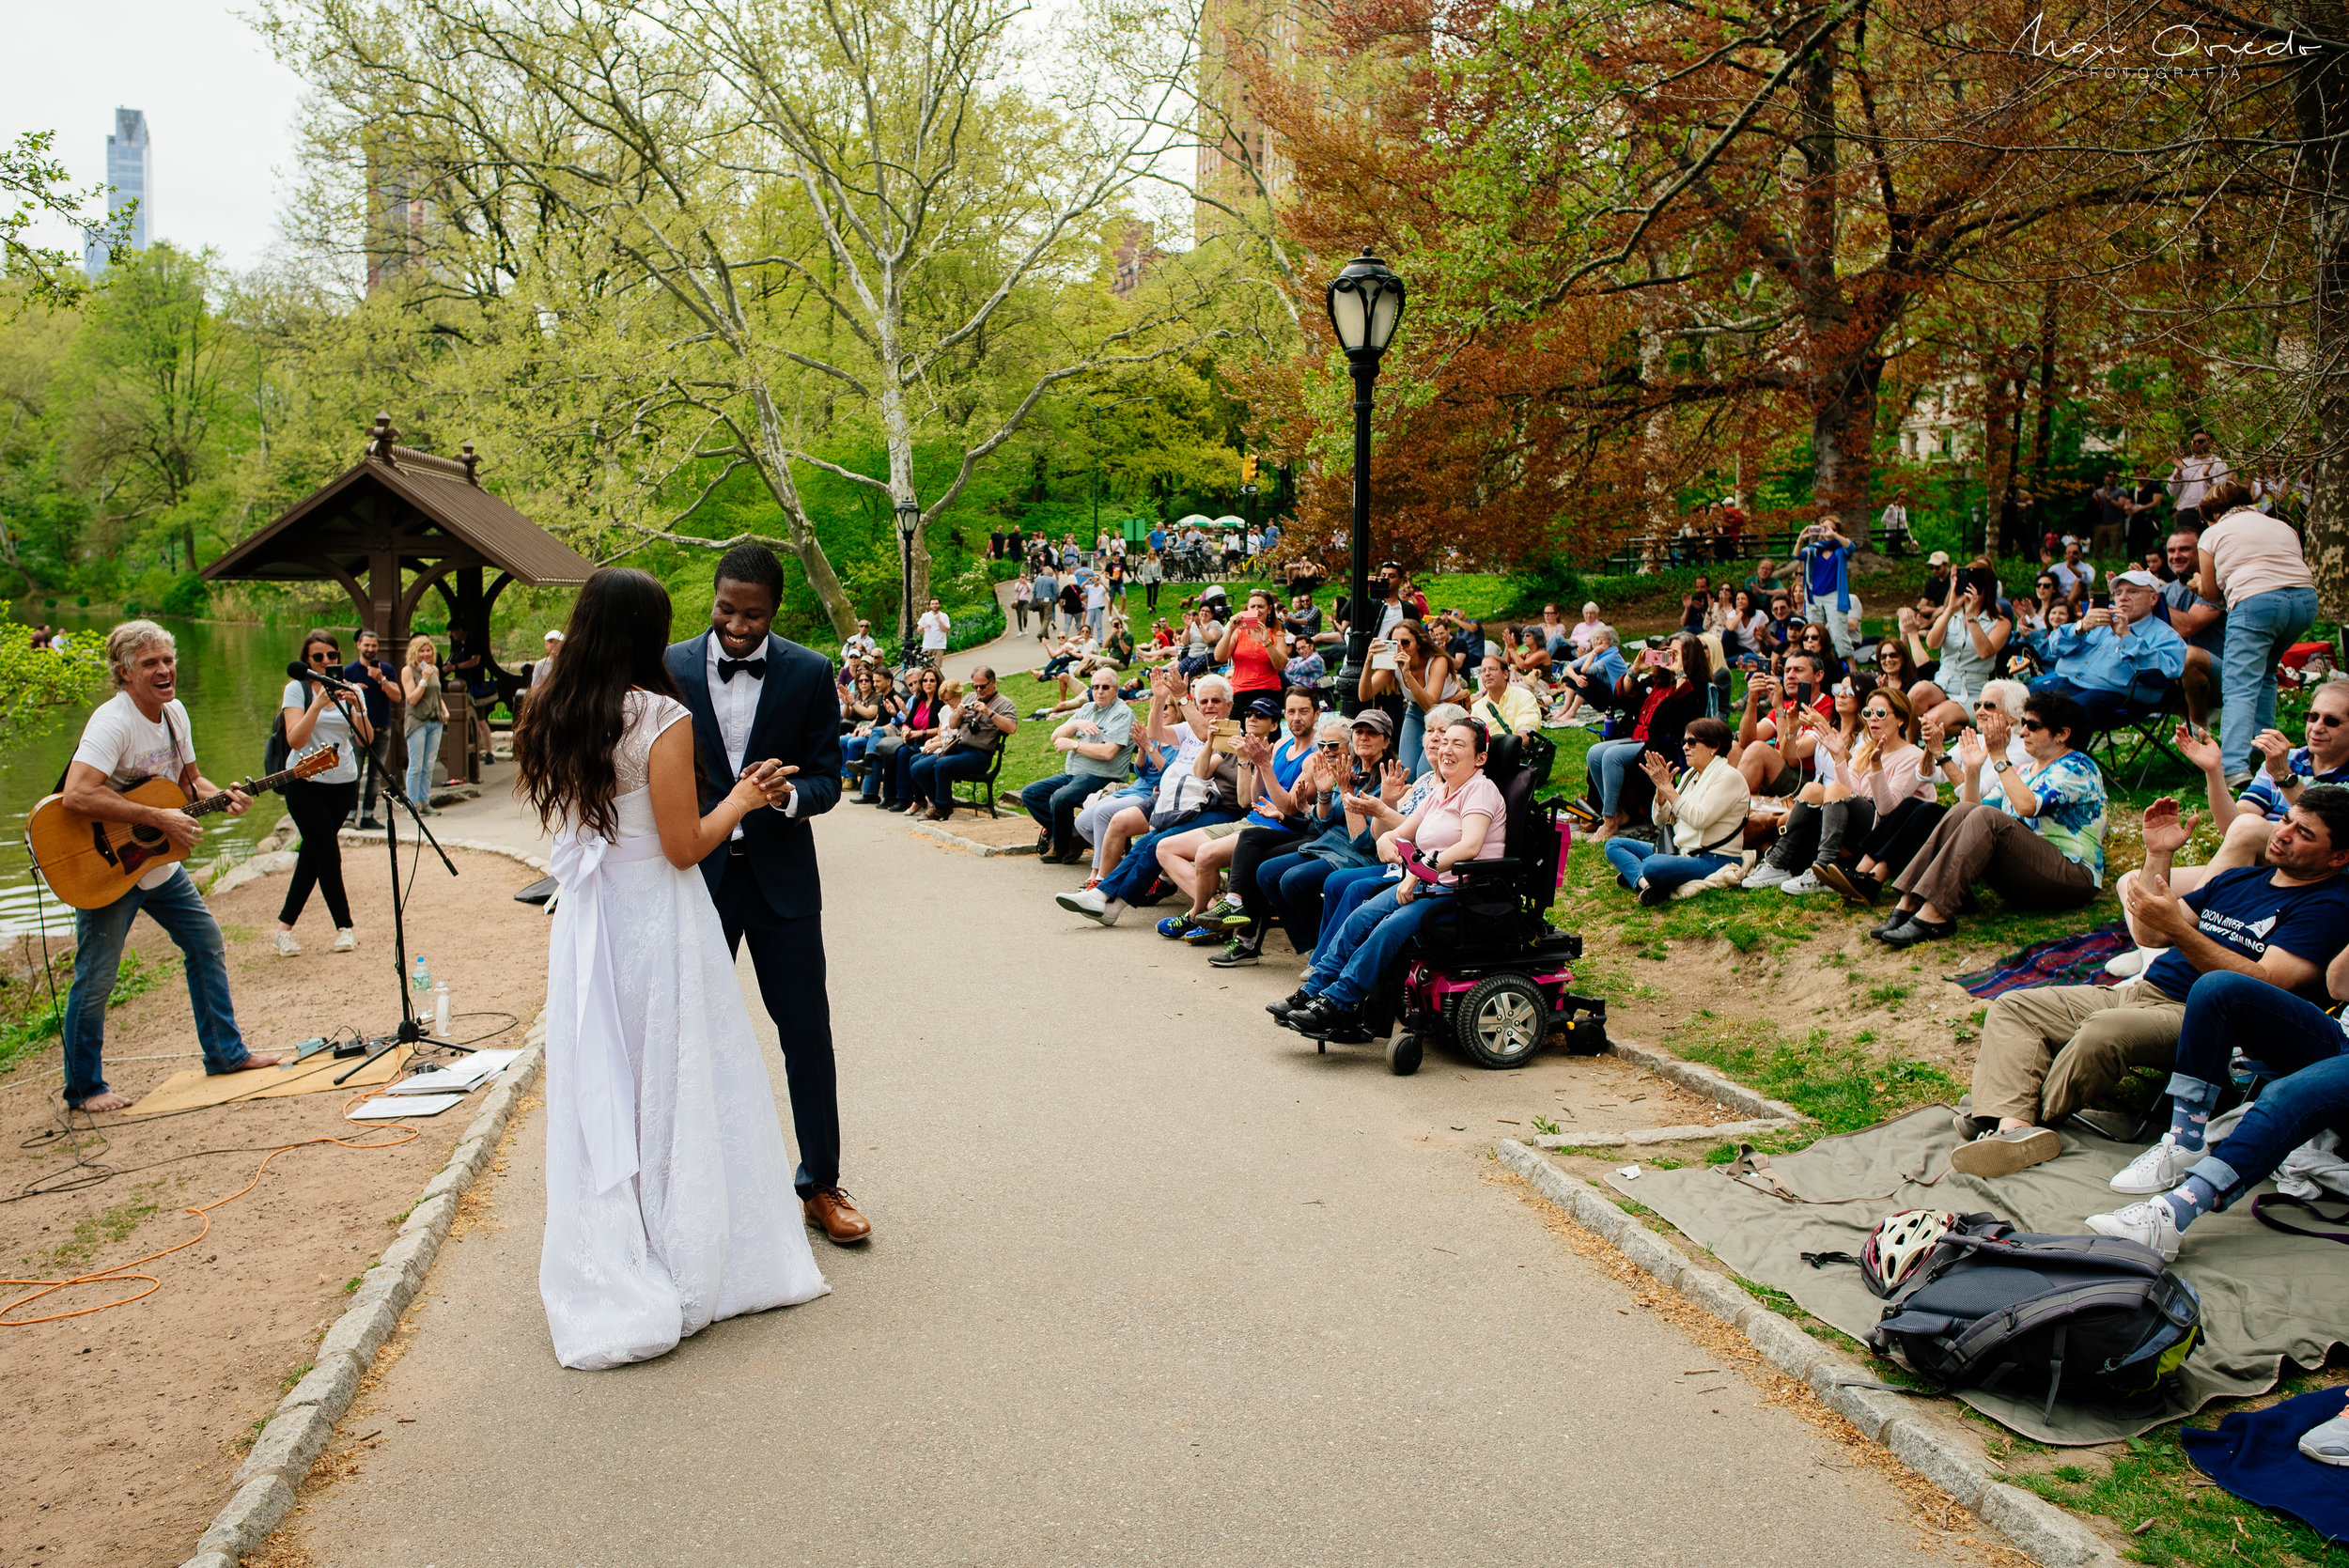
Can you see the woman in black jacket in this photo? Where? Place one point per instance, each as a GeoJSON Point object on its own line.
{"type": "Point", "coordinates": [1666, 689]}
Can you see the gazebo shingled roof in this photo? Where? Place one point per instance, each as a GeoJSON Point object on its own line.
{"type": "Point", "coordinates": [398, 511]}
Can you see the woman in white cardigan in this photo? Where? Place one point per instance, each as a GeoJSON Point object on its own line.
{"type": "Point", "coordinates": [1704, 809]}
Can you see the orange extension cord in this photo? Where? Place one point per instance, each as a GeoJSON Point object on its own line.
{"type": "Point", "coordinates": [125, 1273]}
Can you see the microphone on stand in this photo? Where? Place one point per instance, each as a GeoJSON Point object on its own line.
{"type": "Point", "coordinates": [299, 671]}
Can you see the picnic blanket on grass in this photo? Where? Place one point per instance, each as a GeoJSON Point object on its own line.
{"type": "Point", "coordinates": [2265, 1296]}
{"type": "Point", "coordinates": [2075, 960]}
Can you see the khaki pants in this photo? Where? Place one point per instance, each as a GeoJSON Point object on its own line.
{"type": "Point", "coordinates": [2058, 1048]}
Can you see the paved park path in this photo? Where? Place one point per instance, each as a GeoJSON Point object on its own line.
{"type": "Point", "coordinates": [1152, 1282]}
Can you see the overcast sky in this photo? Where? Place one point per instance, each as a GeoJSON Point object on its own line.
{"type": "Point", "coordinates": [220, 112]}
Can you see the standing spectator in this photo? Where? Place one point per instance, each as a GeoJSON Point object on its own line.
{"type": "Point", "coordinates": [1422, 677]}
{"type": "Point", "coordinates": [2075, 575]}
{"type": "Point", "coordinates": [427, 714]}
{"type": "Point", "coordinates": [1095, 745]}
{"type": "Point", "coordinates": [2195, 476]}
{"type": "Point", "coordinates": [1255, 645]}
{"type": "Point", "coordinates": [936, 628]}
{"type": "Point", "coordinates": [1098, 605]}
{"type": "Point", "coordinates": [472, 666]}
{"type": "Point", "coordinates": [1151, 571]}
{"type": "Point", "coordinates": [1825, 557]}
{"type": "Point", "coordinates": [380, 682]}
{"type": "Point", "coordinates": [317, 805]}
{"type": "Point", "coordinates": [1706, 809]}
{"type": "Point", "coordinates": [1893, 526]}
{"type": "Point", "coordinates": [2251, 563]}
{"type": "Point", "coordinates": [1021, 587]}
{"type": "Point", "coordinates": [2040, 844]}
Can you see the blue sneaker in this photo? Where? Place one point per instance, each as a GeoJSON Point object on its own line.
{"type": "Point", "coordinates": [1173, 927]}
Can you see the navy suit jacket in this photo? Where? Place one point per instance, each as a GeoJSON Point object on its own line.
{"type": "Point", "coordinates": [798, 723]}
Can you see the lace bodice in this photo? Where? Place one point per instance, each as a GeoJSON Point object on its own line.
{"type": "Point", "coordinates": [647, 715]}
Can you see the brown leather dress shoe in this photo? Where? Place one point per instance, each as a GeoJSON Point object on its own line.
{"type": "Point", "coordinates": [831, 1212]}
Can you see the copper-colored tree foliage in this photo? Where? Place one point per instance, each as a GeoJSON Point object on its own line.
{"type": "Point", "coordinates": [1646, 237]}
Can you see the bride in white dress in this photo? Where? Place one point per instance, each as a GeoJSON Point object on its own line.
{"type": "Point", "coordinates": [669, 1197]}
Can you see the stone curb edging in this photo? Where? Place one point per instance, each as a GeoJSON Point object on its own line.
{"type": "Point", "coordinates": [304, 1420]}
{"type": "Point", "coordinates": [1704, 1080]}
{"type": "Point", "coordinates": [1659, 1135]}
{"type": "Point", "coordinates": [987, 851]}
{"type": "Point", "coordinates": [2038, 1528]}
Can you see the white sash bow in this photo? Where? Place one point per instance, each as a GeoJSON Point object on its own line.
{"type": "Point", "coordinates": [604, 1086]}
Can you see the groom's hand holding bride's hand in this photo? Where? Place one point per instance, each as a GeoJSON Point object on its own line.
{"type": "Point", "coordinates": [774, 780]}
{"type": "Point", "coordinates": [757, 787]}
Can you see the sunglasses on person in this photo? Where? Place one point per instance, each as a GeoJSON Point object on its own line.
{"type": "Point", "coordinates": [323, 657]}
{"type": "Point", "coordinates": [1876, 713]}
{"type": "Point", "coordinates": [2328, 720]}
{"type": "Point", "coordinates": [2033, 724]}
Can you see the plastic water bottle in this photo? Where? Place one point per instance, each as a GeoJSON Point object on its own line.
{"type": "Point", "coordinates": [421, 979]}
{"type": "Point", "coordinates": [440, 1010]}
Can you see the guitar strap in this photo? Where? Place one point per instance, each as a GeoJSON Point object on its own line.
{"type": "Point", "coordinates": [179, 767]}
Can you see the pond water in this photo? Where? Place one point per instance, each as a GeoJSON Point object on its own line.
{"type": "Point", "coordinates": [230, 676]}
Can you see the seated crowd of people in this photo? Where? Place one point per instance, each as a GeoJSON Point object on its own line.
{"type": "Point", "coordinates": [909, 735]}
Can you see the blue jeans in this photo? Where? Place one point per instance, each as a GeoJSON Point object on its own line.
{"type": "Point", "coordinates": [891, 777]}
{"type": "Point", "coordinates": [852, 748]}
{"type": "Point", "coordinates": [1411, 745]}
{"type": "Point", "coordinates": [1053, 802]}
{"type": "Point", "coordinates": [2103, 707]}
{"type": "Point", "coordinates": [2293, 1039]}
{"type": "Point", "coordinates": [1131, 876]}
{"type": "Point", "coordinates": [1370, 940]}
{"type": "Point", "coordinates": [424, 744]}
{"type": "Point", "coordinates": [1633, 859]}
{"type": "Point", "coordinates": [2259, 630]}
{"type": "Point", "coordinates": [1609, 764]}
{"type": "Point", "coordinates": [99, 935]}
{"type": "Point", "coordinates": [1345, 890]}
{"type": "Point", "coordinates": [1291, 883]}
{"type": "Point", "coordinates": [932, 776]}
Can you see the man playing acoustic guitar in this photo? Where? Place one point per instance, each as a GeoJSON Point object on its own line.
{"type": "Point", "coordinates": [140, 733]}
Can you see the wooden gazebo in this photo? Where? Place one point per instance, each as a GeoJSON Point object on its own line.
{"type": "Point", "coordinates": [400, 512]}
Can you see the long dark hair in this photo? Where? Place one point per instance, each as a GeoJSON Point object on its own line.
{"type": "Point", "coordinates": [564, 740]}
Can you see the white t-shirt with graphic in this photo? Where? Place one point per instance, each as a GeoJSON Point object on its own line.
{"type": "Point", "coordinates": [127, 746]}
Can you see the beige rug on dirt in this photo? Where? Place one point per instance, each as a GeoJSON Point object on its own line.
{"type": "Point", "coordinates": [2266, 1296]}
{"type": "Point", "coordinates": [195, 1088]}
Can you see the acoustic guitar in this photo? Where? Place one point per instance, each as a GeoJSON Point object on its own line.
{"type": "Point", "coordinates": [89, 863]}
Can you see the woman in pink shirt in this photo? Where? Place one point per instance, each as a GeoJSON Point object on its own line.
{"type": "Point", "coordinates": [1463, 818]}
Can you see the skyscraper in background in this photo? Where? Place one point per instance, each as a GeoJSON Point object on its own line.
{"type": "Point", "coordinates": [130, 172]}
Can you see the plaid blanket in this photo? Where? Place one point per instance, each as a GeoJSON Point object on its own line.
{"type": "Point", "coordinates": [2075, 960]}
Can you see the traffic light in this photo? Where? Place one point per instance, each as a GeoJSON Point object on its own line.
{"type": "Point", "coordinates": [1247, 471]}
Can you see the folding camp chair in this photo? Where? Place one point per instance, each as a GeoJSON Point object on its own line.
{"type": "Point", "coordinates": [2140, 732]}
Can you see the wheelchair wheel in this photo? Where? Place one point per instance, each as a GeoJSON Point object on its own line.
{"type": "Point", "coordinates": [1403, 1053]}
{"type": "Point", "coordinates": [1503, 1020]}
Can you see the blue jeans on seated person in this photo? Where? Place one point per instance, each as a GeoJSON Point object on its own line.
{"type": "Point", "coordinates": [933, 776]}
{"type": "Point", "coordinates": [852, 748]}
{"type": "Point", "coordinates": [1372, 936]}
{"type": "Point", "coordinates": [2292, 1039]}
{"type": "Point", "coordinates": [98, 936]}
{"type": "Point", "coordinates": [1633, 859]}
{"type": "Point", "coordinates": [2104, 709]}
{"type": "Point", "coordinates": [1053, 801]}
{"type": "Point", "coordinates": [1609, 764]}
{"type": "Point", "coordinates": [2259, 630]}
{"type": "Point", "coordinates": [1131, 876]}
{"type": "Point", "coordinates": [1291, 883]}
{"type": "Point", "coordinates": [1344, 893]}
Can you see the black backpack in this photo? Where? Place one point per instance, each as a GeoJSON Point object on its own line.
{"type": "Point", "coordinates": [2099, 1316]}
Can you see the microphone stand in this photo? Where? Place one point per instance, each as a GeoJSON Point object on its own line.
{"type": "Point", "coordinates": [408, 1032]}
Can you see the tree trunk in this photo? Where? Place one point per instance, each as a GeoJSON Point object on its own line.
{"type": "Point", "coordinates": [774, 466]}
{"type": "Point", "coordinates": [2045, 434]}
{"type": "Point", "coordinates": [2321, 98]}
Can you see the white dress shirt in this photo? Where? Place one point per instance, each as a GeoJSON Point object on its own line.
{"type": "Point", "coordinates": [736, 703]}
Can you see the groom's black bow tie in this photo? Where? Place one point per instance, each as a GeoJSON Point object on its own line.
{"type": "Point", "coordinates": [758, 667]}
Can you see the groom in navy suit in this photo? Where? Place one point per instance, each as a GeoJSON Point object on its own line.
{"type": "Point", "coordinates": [755, 697]}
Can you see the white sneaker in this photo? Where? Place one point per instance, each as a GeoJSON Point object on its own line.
{"type": "Point", "coordinates": [287, 946]}
{"type": "Point", "coordinates": [2327, 1443]}
{"type": "Point", "coordinates": [346, 940]}
{"type": "Point", "coordinates": [1764, 874]}
{"type": "Point", "coordinates": [2157, 1169]}
{"type": "Point", "coordinates": [2147, 1224]}
{"type": "Point", "coordinates": [1092, 904]}
{"type": "Point", "coordinates": [1807, 882]}
{"type": "Point", "coordinates": [2129, 965]}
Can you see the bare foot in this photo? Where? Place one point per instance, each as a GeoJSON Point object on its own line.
{"type": "Point", "coordinates": [254, 1059]}
{"type": "Point", "coordinates": [107, 1101]}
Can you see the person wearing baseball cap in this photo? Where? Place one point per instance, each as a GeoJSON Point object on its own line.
{"type": "Point", "coordinates": [545, 666]}
{"type": "Point", "coordinates": [2114, 657]}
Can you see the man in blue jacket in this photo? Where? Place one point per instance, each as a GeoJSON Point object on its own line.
{"type": "Point", "coordinates": [755, 696]}
{"type": "Point", "coordinates": [2109, 653]}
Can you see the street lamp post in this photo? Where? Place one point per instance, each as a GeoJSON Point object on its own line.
{"type": "Point", "coordinates": [1365, 302]}
{"type": "Point", "coordinates": [909, 525]}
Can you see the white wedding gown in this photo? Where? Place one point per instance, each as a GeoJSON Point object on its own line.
{"type": "Point", "coordinates": [669, 1196]}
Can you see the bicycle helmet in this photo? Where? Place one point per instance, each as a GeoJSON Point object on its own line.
{"type": "Point", "coordinates": [1899, 1246]}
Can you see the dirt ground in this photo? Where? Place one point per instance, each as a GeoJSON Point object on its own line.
{"type": "Point", "coordinates": [122, 1427]}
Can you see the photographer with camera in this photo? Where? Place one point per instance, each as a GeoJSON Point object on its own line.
{"type": "Point", "coordinates": [1406, 664]}
{"type": "Point", "coordinates": [1824, 557]}
{"type": "Point", "coordinates": [1255, 645]}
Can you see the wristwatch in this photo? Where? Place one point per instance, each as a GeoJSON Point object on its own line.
{"type": "Point", "coordinates": [2003, 764]}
